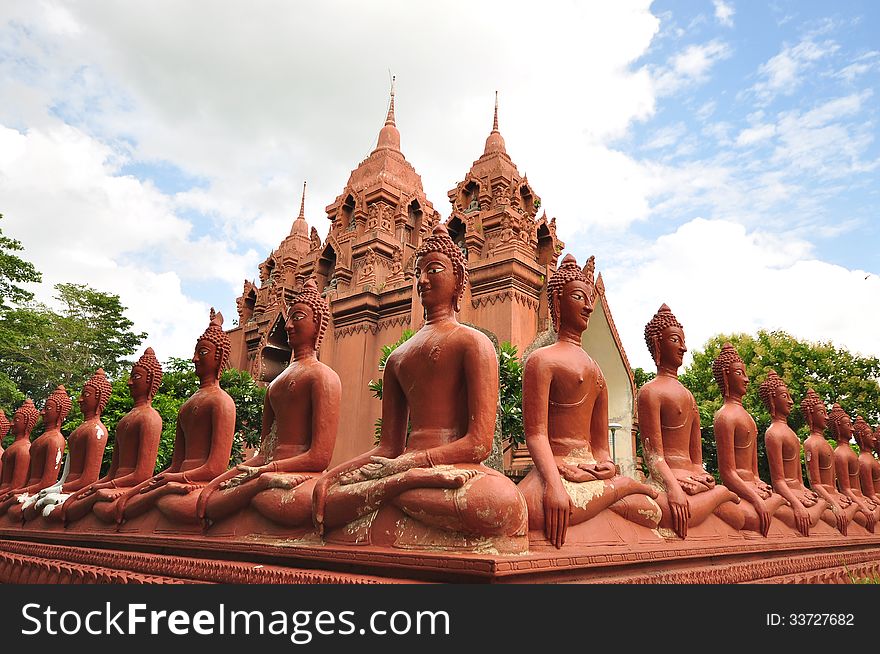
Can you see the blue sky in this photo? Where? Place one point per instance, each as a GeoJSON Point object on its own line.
{"type": "Point", "coordinates": [720, 156]}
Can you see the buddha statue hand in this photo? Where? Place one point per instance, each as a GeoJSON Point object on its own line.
{"type": "Point", "coordinates": [763, 489]}
{"type": "Point", "coordinates": [802, 519]}
{"type": "Point", "coordinates": [680, 510]}
{"type": "Point", "coordinates": [380, 467]}
{"type": "Point", "coordinates": [247, 473]}
{"type": "Point", "coordinates": [576, 474]}
{"type": "Point", "coordinates": [693, 484]}
{"type": "Point", "coordinates": [809, 498]}
{"type": "Point", "coordinates": [286, 481]}
{"type": "Point", "coordinates": [557, 510]}
{"type": "Point", "coordinates": [153, 483]}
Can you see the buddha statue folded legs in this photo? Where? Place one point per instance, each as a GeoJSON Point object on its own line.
{"type": "Point", "coordinates": [428, 488]}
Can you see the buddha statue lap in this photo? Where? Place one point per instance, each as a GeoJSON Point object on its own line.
{"type": "Point", "coordinates": [819, 457]}
{"type": "Point", "coordinates": [565, 414]}
{"type": "Point", "coordinates": [203, 441]}
{"type": "Point", "coordinates": [46, 453]}
{"type": "Point", "coordinates": [16, 458]}
{"type": "Point", "coordinates": [804, 507]}
{"type": "Point", "coordinates": [846, 465]}
{"type": "Point", "coordinates": [300, 421]}
{"type": "Point", "coordinates": [429, 488]}
{"type": "Point", "coordinates": [134, 452]}
{"type": "Point", "coordinates": [736, 436]}
{"type": "Point", "coordinates": [85, 451]}
{"type": "Point", "coordinates": [669, 426]}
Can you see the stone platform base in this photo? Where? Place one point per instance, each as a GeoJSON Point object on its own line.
{"type": "Point", "coordinates": [28, 556]}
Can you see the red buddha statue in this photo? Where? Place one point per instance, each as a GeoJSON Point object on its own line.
{"type": "Point", "coordinates": [846, 465]}
{"type": "Point", "coordinates": [17, 457]}
{"type": "Point", "coordinates": [85, 449]}
{"type": "Point", "coordinates": [429, 488]}
{"type": "Point", "coordinates": [565, 414]}
{"type": "Point", "coordinates": [300, 421]}
{"type": "Point", "coordinates": [736, 439]}
{"type": "Point", "coordinates": [203, 444]}
{"type": "Point", "coordinates": [865, 440]}
{"type": "Point", "coordinates": [134, 452]}
{"type": "Point", "coordinates": [875, 464]}
{"type": "Point", "coordinates": [805, 508]}
{"type": "Point", "coordinates": [45, 454]}
{"type": "Point", "coordinates": [820, 466]}
{"type": "Point", "coordinates": [669, 426]}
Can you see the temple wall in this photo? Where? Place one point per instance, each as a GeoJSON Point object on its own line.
{"type": "Point", "coordinates": [599, 344]}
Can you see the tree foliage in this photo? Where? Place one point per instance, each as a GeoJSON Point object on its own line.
{"type": "Point", "coordinates": [41, 348]}
{"type": "Point", "coordinates": [834, 373]}
{"type": "Point", "coordinates": [510, 372]}
{"type": "Point", "coordinates": [15, 271]}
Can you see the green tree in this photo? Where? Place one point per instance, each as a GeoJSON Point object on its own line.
{"type": "Point", "coordinates": [510, 372]}
{"type": "Point", "coordinates": [14, 271]}
{"type": "Point", "coordinates": [834, 373]}
{"type": "Point", "coordinates": [375, 385]}
{"type": "Point", "coordinates": [41, 348]}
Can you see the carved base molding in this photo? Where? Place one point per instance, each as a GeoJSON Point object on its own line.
{"type": "Point", "coordinates": [31, 557]}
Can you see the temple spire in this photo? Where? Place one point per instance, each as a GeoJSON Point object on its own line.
{"type": "Point", "coordinates": [389, 137]}
{"type": "Point", "coordinates": [495, 142]}
{"type": "Point", "coordinates": [302, 204]}
{"type": "Point", "coordinates": [389, 120]}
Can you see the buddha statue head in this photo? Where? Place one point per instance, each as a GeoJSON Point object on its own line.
{"type": "Point", "coordinates": [56, 408]}
{"type": "Point", "coordinates": [146, 376]}
{"type": "Point", "coordinates": [95, 394]}
{"type": "Point", "coordinates": [25, 417]}
{"type": "Point", "coordinates": [307, 317]}
{"type": "Point", "coordinates": [841, 423]}
{"type": "Point", "coordinates": [212, 349]}
{"type": "Point", "coordinates": [664, 337]}
{"type": "Point", "coordinates": [864, 435]}
{"type": "Point", "coordinates": [814, 411]}
{"type": "Point", "coordinates": [439, 263]}
{"type": "Point", "coordinates": [570, 293]}
{"type": "Point", "coordinates": [730, 372]}
{"type": "Point", "coordinates": [4, 424]}
{"type": "Point", "coordinates": [775, 395]}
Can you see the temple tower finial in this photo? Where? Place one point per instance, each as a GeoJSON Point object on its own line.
{"type": "Point", "coordinates": [390, 119]}
{"type": "Point", "coordinates": [302, 203]}
{"type": "Point", "coordinates": [495, 120]}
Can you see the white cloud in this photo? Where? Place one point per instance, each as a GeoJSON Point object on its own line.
{"type": "Point", "coordinates": [757, 134]}
{"type": "Point", "coordinates": [81, 222]}
{"type": "Point", "coordinates": [784, 73]}
{"type": "Point", "coordinates": [690, 66]}
{"type": "Point", "coordinates": [724, 12]}
{"type": "Point", "coordinates": [718, 277]}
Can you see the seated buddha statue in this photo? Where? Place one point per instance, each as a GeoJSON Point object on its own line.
{"type": "Point", "coordinates": [783, 447]}
{"type": "Point", "coordinates": [669, 426]}
{"type": "Point", "coordinates": [85, 450]}
{"type": "Point", "coordinates": [429, 488]}
{"type": "Point", "coordinates": [203, 442]}
{"type": "Point", "coordinates": [300, 421]}
{"type": "Point", "coordinates": [565, 415]}
{"type": "Point", "coordinates": [865, 440]}
{"type": "Point", "coordinates": [45, 454]}
{"type": "Point", "coordinates": [134, 451]}
{"type": "Point", "coordinates": [819, 458]}
{"type": "Point", "coordinates": [17, 457]}
{"type": "Point", "coordinates": [846, 465]}
{"type": "Point", "coordinates": [736, 439]}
